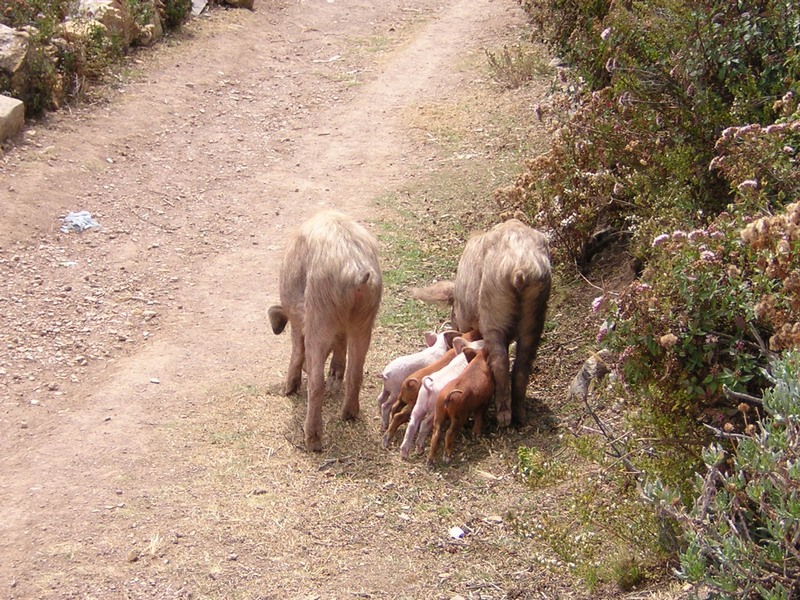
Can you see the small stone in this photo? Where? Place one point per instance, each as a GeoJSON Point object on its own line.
{"type": "Point", "coordinates": [133, 556]}
{"type": "Point", "coordinates": [494, 519]}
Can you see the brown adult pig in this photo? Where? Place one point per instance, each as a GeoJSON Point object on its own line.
{"type": "Point", "coordinates": [502, 288]}
{"type": "Point", "coordinates": [330, 292]}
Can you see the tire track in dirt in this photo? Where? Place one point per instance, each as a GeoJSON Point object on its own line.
{"type": "Point", "coordinates": [63, 478]}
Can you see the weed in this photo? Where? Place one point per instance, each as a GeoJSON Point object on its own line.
{"type": "Point", "coordinates": [515, 65]}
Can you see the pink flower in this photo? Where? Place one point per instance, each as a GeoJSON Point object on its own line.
{"type": "Point", "coordinates": [660, 239]}
{"type": "Point", "coordinates": [597, 302]}
{"type": "Point", "coordinates": [708, 256]}
{"type": "Point", "coordinates": [747, 184]}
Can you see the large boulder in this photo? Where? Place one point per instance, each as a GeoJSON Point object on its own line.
{"type": "Point", "coordinates": [14, 49]}
{"type": "Point", "coordinates": [114, 15]}
{"type": "Point", "coordinates": [12, 117]}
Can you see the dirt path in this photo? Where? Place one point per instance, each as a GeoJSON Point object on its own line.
{"type": "Point", "coordinates": [145, 450]}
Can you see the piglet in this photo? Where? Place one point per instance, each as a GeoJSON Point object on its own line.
{"type": "Point", "coordinates": [421, 422]}
{"type": "Point", "coordinates": [400, 411]}
{"type": "Point", "coordinates": [469, 393]}
{"type": "Point", "coordinates": [401, 367]}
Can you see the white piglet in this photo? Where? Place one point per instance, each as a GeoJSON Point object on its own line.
{"type": "Point", "coordinates": [421, 421]}
{"type": "Point", "coordinates": [401, 367]}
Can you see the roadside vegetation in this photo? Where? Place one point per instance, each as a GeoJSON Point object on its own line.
{"type": "Point", "coordinates": [680, 142]}
{"type": "Point", "coordinates": [67, 50]}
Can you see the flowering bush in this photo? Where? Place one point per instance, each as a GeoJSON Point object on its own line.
{"type": "Point", "coordinates": [661, 79]}
{"type": "Point", "coordinates": [743, 528]}
{"type": "Point", "coordinates": [761, 162]}
{"type": "Point", "coordinates": [684, 330]}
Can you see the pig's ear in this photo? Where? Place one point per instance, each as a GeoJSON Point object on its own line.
{"type": "Point", "coordinates": [449, 336]}
{"type": "Point", "coordinates": [470, 353]}
{"type": "Point", "coordinates": [459, 344]}
{"type": "Point", "coordinates": [277, 318]}
{"type": "Point", "coordinates": [430, 338]}
{"type": "Point", "coordinates": [441, 291]}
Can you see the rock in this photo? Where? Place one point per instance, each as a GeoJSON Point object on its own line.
{"type": "Point", "coordinates": [114, 15]}
{"type": "Point", "coordinates": [152, 30]}
{"type": "Point", "coordinates": [198, 6]}
{"type": "Point", "coordinates": [14, 47]}
{"type": "Point", "coordinates": [594, 369]}
{"type": "Point", "coordinates": [12, 117]}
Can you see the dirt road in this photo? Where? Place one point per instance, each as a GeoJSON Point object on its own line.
{"type": "Point", "coordinates": [145, 449]}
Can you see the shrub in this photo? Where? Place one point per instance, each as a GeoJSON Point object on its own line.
{"type": "Point", "coordinates": [39, 13]}
{"type": "Point", "coordinates": [661, 80]}
{"type": "Point", "coordinates": [175, 12]}
{"type": "Point", "coordinates": [695, 320]}
{"type": "Point", "coordinates": [743, 528]}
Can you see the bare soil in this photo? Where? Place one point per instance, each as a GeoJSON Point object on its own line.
{"type": "Point", "coordinates": [146, 449]}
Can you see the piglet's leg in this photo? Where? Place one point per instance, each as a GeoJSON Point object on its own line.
{"type": "Point", "coordinates": [438, 421]}
{"type": "Point", "coordinates": [450, 437]}
{"type": "Point", "coordinates": [424, 431]}
{"type": "Point", "coordinates": [408, 439]}
{"type": "Point", "coordinates": [399, 417]}
{"type": "Point", "coordinates": [385, 402]}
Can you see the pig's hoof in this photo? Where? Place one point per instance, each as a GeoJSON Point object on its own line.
{"type": "Point", "coordinates": [503, 418]}
{"type": "Point", "coordinates": [349, 414]}
{"type": "Point", "coordinates": [386, 441]}
{"type": "Point", "coordinates": [404, 453]}
{"type": "Point", "coordinates": [314, 443]}
{"type": "Point", "coordinates": [447, 459]}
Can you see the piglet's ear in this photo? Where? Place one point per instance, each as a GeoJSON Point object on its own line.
{"type": "Point", "coordinates": [430, 338]}
{"type": "Point", "coordinates": [449, 336]}
{"type": "Point", "coordinates": [470, 353]}
{"type": "Point", "coordinates": [459, 344]}
{"type": "Point", "coordinates": [277, 318]}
